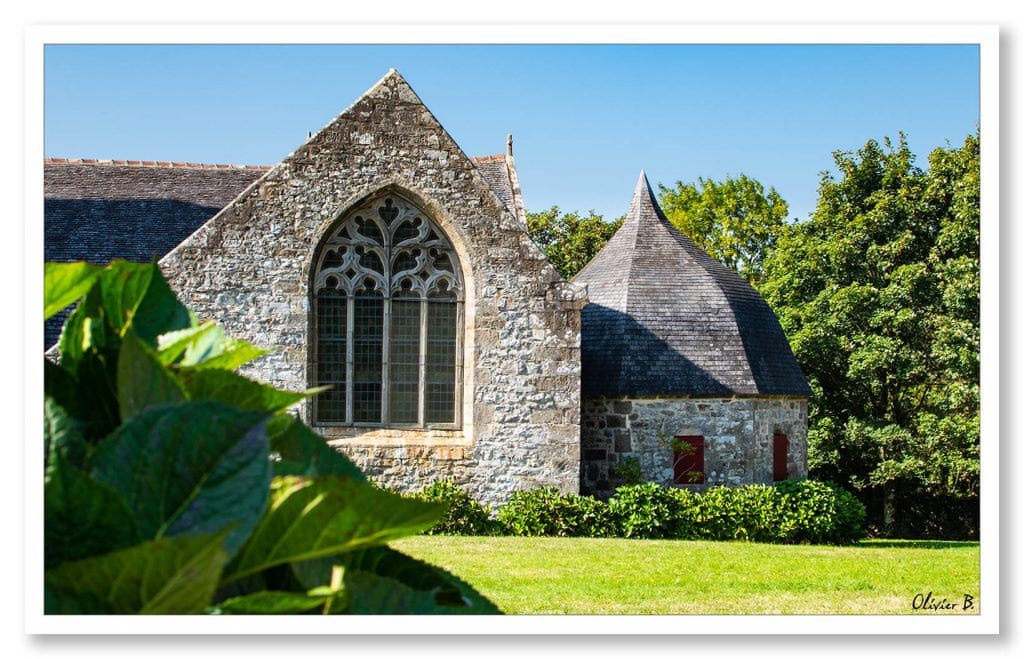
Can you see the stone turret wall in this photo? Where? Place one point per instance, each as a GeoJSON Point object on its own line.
{"type": "Point", "coordinates": [737, 431]}
{"type": "Point", "coordinates": [249, 269]}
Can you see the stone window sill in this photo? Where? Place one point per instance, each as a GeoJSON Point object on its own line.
{"type": "Point", "coordinates": [339, 437]}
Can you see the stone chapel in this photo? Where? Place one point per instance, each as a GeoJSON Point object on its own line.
{"type": "Point", "coordinates": [381, 261]}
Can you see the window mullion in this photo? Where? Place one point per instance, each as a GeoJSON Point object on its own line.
{"type": "Point", "coordinates": [385, 376]}
{"type": "Point", "coordinates": [457, 397]}
{"type": "Point", "coordinates": [350, 303]}
{"type": "Point", "coordinates": [423, 364]}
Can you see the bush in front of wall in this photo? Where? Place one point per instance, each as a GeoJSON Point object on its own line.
{"type": "Point", "coordinates": [821, 513]}
{"type": "Point", "coordinates": [546, 511]}
{"type": "Point", "coordinates": [464, 515]}
{"type": "Point", "coordinates": [788, 512]}
{"type": "Point", "coordinates": [652, 511]}
{"type": "Point", "coordinates": [749, 512]}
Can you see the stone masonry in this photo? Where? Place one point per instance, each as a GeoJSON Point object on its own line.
{"type": "Point", "coordinates": [249, 270]}
{"type": "Point", "coordinates": [737, 433]}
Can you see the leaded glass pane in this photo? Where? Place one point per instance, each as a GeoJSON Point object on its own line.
{"type": "Point", "coordinates": [404, 361]}
{"type": "Point", "coordinates": [367, 357]}
{"type": "Point", "coordinates": [439, 406]}
{"type": "Point", "coordinates": [331, 323]}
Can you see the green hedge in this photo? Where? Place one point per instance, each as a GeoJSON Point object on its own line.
{"type": "Point", "coordinates": [546, 511]}
{"type": "Point", "coordinates": [791, 511]}
{"type": "Point", "coordinates": [464, 515]}
{"type": "Point", "coordinates": [649, 510]}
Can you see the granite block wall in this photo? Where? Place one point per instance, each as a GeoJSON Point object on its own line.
{"type": "Point", "coordinates": [737, 433]}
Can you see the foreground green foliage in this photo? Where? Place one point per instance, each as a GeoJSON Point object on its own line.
{"type": "Point", "coordinates": [601, 576]}
{"type": "Point", "coordinates": [879, 295]}
{"type": "Point", "coordinates": [174, 485]}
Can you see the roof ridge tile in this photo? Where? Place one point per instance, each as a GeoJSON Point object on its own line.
{"type": "Point", "coordinates": [148, 163]}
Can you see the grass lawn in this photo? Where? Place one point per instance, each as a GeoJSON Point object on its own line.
{"type": "Point", "coordinates": [615, 576]}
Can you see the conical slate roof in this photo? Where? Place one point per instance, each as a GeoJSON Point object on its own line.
{"type": "Point", "coordinates": [666, 319]}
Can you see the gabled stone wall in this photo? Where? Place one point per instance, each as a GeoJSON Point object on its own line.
{"type": "Point", "coordinates": [249, 269]}
{"type": "Point", "coordinates": [737, 433]}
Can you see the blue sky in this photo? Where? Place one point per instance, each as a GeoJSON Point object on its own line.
{"type": "Point", "coordinates": [585, 118]}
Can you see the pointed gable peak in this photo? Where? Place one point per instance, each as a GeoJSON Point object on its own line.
{"type": "Point", "coordinates": [393, 83]}
{"type": "Point", "coordinates": [394, 75]}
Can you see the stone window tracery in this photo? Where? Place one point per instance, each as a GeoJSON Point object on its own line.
{"type": "Point", "coordinates": [387, 310]}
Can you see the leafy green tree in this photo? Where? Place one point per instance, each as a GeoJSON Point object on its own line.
{"type": "Point", "coordinates": [570, 240]}
{"type": "Point", "coordinates": [175, 485]}
{"type": "Point", "coordinates": [879, 294]}
{"type": "Point", "coordinates": [735, 220]}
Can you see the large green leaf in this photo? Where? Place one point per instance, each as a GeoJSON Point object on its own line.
{"type": "Point", "coordinates": [60, 385]}
{"type": "Point", "coordinates": [171, 345]}
{"type": "Point", "coordinates": [90, 398]}
{"type": "Point", "coordinates": [189, 469]}
{"type": "Point", "coordinates": [169, 575]}
{"type": "Point", "coordinates": [206, 346]}
{"type": "Point", "coordinates": [142, 381]}
{"type": "Point", "coordinates": [228, 387]}
{"type": "Point", "coordinates": [233, 353]}
{"type": "Point", "coordinates": [82, 517]}
{"type": "Point", "coordinates": [159, 311]}
{"type": "Point", "coordinates": [268, 601]}
{"type": "Point", "coordinates": [122, 287]}
{"type": "Point", "coordinates": [61, 436]}
{"type": "Point", "coordinates": [304, 453]}
{"type": "Point", "coordinates": [137, 294]}
{"type": "Point", "coordinates": [368, 593]}
{"type": "Point", "coordinates": [84, 331]}
{"type": "Point", "coordinates": [66, 283]}
{"type": "Point", "coordinates": [315, 517]}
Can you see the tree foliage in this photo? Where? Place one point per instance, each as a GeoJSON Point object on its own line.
{"type": "Point", "coordinates": [174, 485]}
{"type": "Point", "coordinates": [570, 240]}
{"type": "Point", "coordinates": [735, 220]}
{"type": "Point", "coordinates": [879, 294]}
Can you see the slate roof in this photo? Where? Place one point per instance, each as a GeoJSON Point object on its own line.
{"type": "Point", "coordinates": [100, 210]}
{"type": "Point", "coordinates": [496, 172]}
{"type": "Point", "coordinates": [666, 319]}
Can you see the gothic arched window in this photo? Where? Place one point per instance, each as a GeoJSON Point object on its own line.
{"type": "Point", "coordinates": [387, 309]}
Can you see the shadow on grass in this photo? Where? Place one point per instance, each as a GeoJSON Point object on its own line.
{"type": "Point", "coordinates": [917, 544]}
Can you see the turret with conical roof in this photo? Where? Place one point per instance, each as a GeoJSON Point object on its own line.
{"type": "Point", "coordinates": [667, 319]}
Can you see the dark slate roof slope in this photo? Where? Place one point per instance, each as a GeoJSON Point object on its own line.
{"type": "Point", "coordinates": [666, 319]}
{"type": "Point", "coordinates": [97, 211]}
{"type": "Point", "coordinates": [100, 211]}
{"type": "Point", "coordinates": [496, 173]}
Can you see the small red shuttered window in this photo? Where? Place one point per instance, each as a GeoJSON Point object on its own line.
{"type": "Point", "coordinates": [688, 459]}
{"type": "Point", "coordinates": [780, 462]}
